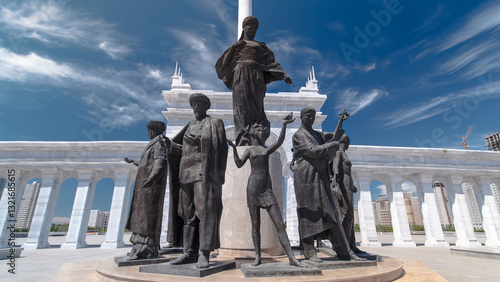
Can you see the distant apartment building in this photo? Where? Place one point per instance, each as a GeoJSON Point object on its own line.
{"type": "Point", "coordinates": [28, 204]}
{"type": "Point", "coordinates": [496, 195]}
{"type": "Point", "coordinates": [413, 211]}
{"type": "Point", "coordinates": [443, 206]}
{"type": "Point", "coordinates": [470, 198]}
{"type": "Point", "coordinates": [98, 219]}
{"type": "Point", "coordinates": [493, 141]}
{"type": "Point", "coordinates": [382, 211]}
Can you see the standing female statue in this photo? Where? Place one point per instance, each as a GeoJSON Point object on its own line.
{"type": "Point", "coordinates": [246, 68]}
{"type": "Point", "coordinates": [260, 190]}
{"type": "Point", "coordinates": [344, 189]}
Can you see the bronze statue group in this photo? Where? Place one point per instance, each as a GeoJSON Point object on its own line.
{"type": "Point", "coordinates": [196, 160]}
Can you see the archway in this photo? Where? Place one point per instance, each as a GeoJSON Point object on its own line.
{"type": "Point", "coordinates": [97, 224]}
{"type": "Point", "coordinates": [381, 207]}
{"type": "Point", "coordinates": [62, 215]}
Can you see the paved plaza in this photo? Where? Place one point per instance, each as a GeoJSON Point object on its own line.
{"type": "Point", "coordinates": [43, 264]}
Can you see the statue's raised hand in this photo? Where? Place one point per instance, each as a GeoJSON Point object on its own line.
{"type": "Point", "coordinates": [288, 80]}
{"type": "Point", "coordinates": [289, 118]}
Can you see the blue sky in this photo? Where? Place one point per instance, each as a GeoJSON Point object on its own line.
{"type": "Point", "coordinates": [411, 73]}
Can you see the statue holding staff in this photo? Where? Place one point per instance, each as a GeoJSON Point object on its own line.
{"type": "Point", "coordinates": [316, 209]}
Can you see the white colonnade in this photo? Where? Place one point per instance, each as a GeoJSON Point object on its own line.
{"type": "Point", "coordinates": [53, 163]}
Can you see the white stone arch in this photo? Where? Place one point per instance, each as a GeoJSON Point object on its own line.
{"type": "Point", "coordinates": [386, 180]}
{"type": "Point", "coordinates": [415, 179]}
{"type": "Point", "coordinates": [416, 211]}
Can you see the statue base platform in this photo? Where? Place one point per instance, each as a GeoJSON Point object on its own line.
{"type": "Point", "coordinates": [387, 270]}
{"type": "Point", "coordinates": [335, 263]}
{"type": "Point", "coordinates": [122, 261]}
{"type": "Point", "coordinates": [165, 251]}
{"type": "Point", "coordinates": [241, 260]}
{"type": "Point", "coordinates": [188, 269]}
{"type": "Point", "coordinates": [277, 269]}
{"type": "Point", "coordinates": [331, 253]}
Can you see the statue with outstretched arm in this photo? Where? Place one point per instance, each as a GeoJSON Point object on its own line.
{"type": "Point", "coordinates": [259, 188]}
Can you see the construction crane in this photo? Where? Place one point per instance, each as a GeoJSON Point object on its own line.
{"type": "Point", "coordinates": [464, 143]}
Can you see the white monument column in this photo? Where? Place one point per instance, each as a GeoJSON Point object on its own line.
{"type": "Point", "coordinates": [235, 224]}
{"type": "Point", "coordinates": [399, 217]}
{"type": "Point", "coordinates": [292, 221]}
{"type": "Point", "coordinates": [434, 236]}
{"type": "Point", "coordinates": [365, 211]}
{"type": "Point", "coordinates": [38, 237]}
{"type": "Point", "coordinates": [7, 216]}
{"type": "Point", "coordinates": [164, 220]}
{"type": "Point", "coordinates": [81, 211]}
{"type": "Point", "coordinates": [461, 216]}
{"type": "Point", "coordinates": [489, 211]}
{"type": "Point", "coordinates": [244, 10]}
{"type": "Point", "coordinates": [119, 209]}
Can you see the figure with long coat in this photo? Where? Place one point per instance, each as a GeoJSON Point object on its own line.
{"type": "Point", "coordinates": [146, 210]}
{"type": "Point", "coordinates": [245, 68]}
{"type": "Point", "coordinates": [202, 148]}
{"type": "Point", "coordinates": [316, 209]}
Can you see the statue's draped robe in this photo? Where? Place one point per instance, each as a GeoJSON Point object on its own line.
{"type": "Point", "coordinates": [246, 73]}
{"type": "Point", "coordinates": [344, 198]}
{"type": "Point", "coordinates": [316, 207]}
{"type": "Point", "coordinates": [146, 210]}
{"type": "Point", "coordinates": [214, 158]}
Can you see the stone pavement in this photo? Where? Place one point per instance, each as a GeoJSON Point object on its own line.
{"type": "Point", "coordinates": [43, 264]}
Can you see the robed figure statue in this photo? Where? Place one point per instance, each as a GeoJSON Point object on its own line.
{"type": "Point", "coordinates": [245, 68]}
{"type": "Point", "coordinates": [316, 208]}
{"type": "Point", "coordinates": [146, 210]}
{"type": "Point", "coordinates": [199, 156]}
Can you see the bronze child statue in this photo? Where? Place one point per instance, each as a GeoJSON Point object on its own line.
{"type": "Point", "coordinates": [259, 188]}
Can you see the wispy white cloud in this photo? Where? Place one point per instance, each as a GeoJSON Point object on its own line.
{"type": "Point", "coordinates": [291, 47]}
{"type": "Point", "coordinates": [225, 11]}
{"type": "Point", "coordinates": [467, 53]}
{"type": "Point", "coordinates": [380, 190]}
{"type": "Point", "coordinates": [487, 88]}
{"type": "Point", "coordinates": [53, 23]}
{"type": "Point", "coordinates": [408, 186]}
{"type": "Point", "coordinates": [486, 18]}
{"type": "Point", "coordinates": [469, 50]}
{"type": "Point", "coordinates": [15, 67]}
{"type": "Point", "coordinates": [365, 68]}
{"type": "Point", "coordinates": [198, 54]}
{"type": "Point", "coordinates": [354, 101]}
{"type": "Point", "coordinates": [415, 113]}
{"type": "Point", "coordinates": [112, 97]}
{"type": "Point", "coordinates": [435, 16]}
